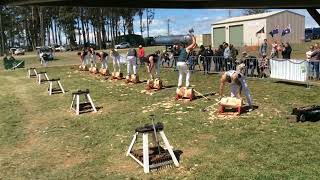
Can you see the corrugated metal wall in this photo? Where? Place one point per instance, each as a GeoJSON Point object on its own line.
{"type": "Point", "coordinates": [282, 20]}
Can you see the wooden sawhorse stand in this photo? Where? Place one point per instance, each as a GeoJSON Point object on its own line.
{"type": "Point", "coordinates": [52, 90]}
{"type": "Point", "coordinates": [39, 77]}
{"type": "Point", "coordinates": [82, 107]}
{"type": "Point", "coordinates": [32, 72]}
{"type": "Point", "coordinates": [153, 157]}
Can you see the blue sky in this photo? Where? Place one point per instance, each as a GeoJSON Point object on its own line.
{"type": "Point", "coordinates": [199, 19]}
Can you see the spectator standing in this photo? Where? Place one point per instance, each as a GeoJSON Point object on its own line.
{"type": "Point", "coordinates": [218, 60]}
{"type": "Point", "coordinates": [202, 57]}
{"type": "Point", "coordinates": [263, 48]}
{"type": "Point", "coordinates": [274, 50]}
{"type": "Point", "coordinates": [209, 55]}
{"type": "Point", "coordinates": [141, 55]}
{"type": "Point", "coordinates": [233, 56]}
{"type": "Point", "coordinates": [315, 58]}
{"type": "Point", "coordinates": [310, 64]}
{"type": "Point", "coordinates": [176, 53]}
{"type": "Point", "coordinates": [226, 56]}
{"type": "Point", "coordinates": [286, 51]}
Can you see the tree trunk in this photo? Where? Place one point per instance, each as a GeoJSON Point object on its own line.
{"type": "Point", "coordinates": [79, 32]}
{"type": "Point", "coordinates": [147, 22]}
{"type": "Point", "coordinates": [2, 35]}
{"type": "Point", "coordinates": [59, 35]}
{"type": "Point", "coordinates": [48, 34]}
{"type": "Point", "coordinates": [52, 31]}
{"type": "Point", "coordinates": [315, 15]}
{"type": "Point", "coordinates": [83, 27]}
{"type": "Point", "coordinates": [42, 34]}
{"type": "Point", "coordinates": [88, 31]}
{"type": "Point", "coordinates": [55, 30]}
{"type": "Point", "coordinates": [108, 30]}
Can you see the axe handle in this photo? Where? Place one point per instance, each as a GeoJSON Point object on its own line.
{"type": "Point", "coordinates": [201, 94]}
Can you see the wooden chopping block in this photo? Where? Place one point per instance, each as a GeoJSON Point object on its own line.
{"type": "Point", "coordinates": [230, 102]}
{"type": "Point", "coordinates": [93, 70]}
{"type": "Point", "coordinates": [134, 78]}
{"type": "Point", "coordinates": [185, 93]}
{"type": "Point", "coordinates": [149, 84]}
{"type": "Point", "coordinates": [83, 68]}
{"type": "Point", "coordinates": [157, 84]}
{"type": "Point", "coordinates": [104, 72]}
{"type": "Point", "coordinates": [128, 78]}
{"type": "Point", "coordinates": [117, 75]}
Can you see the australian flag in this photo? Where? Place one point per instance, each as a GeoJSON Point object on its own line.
{"type": "Point", "coordinates": [274, 31]}
{"type": "Point", "coordinates": [260, 31]}
{"type": "Point", "coordinates": [286, 30]}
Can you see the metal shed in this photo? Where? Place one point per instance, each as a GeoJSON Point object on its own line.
{"type": "Point", "coordinates": [244, 30]}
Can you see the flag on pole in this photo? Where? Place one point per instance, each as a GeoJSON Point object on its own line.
{"type": "Point", "coordinates": [286, 31]}
{"type": "Point", "coordinates": [274, 31]}
{"type": "Point", "coordinates": [260, 31]}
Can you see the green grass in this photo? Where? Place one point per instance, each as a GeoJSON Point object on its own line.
{"type": "Point", "coordinates": [41, 139]}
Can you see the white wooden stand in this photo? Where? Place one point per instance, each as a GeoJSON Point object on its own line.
{"type": "Point", "coordinates": [39, 77]}
{"type": "Point", "coordinates": [32, 72]}
{"type": "Point", "coordinates": [145, 164]}
{"type": "Point", "coordinates": [50, 89]}
{"type": "Point", "coordinates": [76, 101]}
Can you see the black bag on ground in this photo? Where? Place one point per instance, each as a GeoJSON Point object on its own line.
{"type": "Point", "coordinates": [308, 113]}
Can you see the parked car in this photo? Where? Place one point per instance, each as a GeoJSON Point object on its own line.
{"type": "Point", "coordinates": [60, 48]}
{"type": "Point", "coordinates": [313, 33]}
{"type": "Point", "coordinates": [122, 45]}
{"type": "Point", "coordinates": [45, 51]}
{"type": "Point", "coordinates": [12, 50]}
{"type": "Point", "coordinates": [19, 51]}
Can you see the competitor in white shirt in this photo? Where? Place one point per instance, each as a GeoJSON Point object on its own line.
{"type": "Point", "coordinates": [237, 82]}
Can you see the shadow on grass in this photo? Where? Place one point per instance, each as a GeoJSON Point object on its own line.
{"type": "Point", "coordinates": [291, 83]}
{"type": "Point", "coordinates": [86, 108]}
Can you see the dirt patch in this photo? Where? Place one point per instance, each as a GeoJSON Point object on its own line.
{"type": "Point", "coordinates": [71, 161]}
{"type": "Point", "coordinates": [191, 151]}
{"type": "Point", "coordinates": [206, 137]}
{"type": "Point", "coordinates": [242, 156]}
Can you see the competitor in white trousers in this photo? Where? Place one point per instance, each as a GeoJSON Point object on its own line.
{"type": "Point", "coordinates": [93, 57]}
{"type": "Point", "coordinates": [153, 64]}
{"type": "Point", "coordinates": [115, 59]}
{"type": "Point", "coordinates": [182, 65]}
{"type": "Point", "coordinates": [132, 61]}
{"type": "Point", "coordinates": [237, 82]}
{"type": "Point", "coordinates": [104, 59]}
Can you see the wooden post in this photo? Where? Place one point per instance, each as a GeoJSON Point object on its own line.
{"type": "Point", "coordinates": [132, 143]}
{"type": "Point", "coordinates": [45, 74]}
{"type": "Point", "coordinates": [78, 105]}
{"type": "Point", "coordinates": [50, 88]}
{"type": "Point", "coordinates": [145, 153]}
{"type": "Point", "coordinates": [169, 148]}
{"type": "Point", "coordinates": [61, 87]}
{"type": "Point", "coordinates": [91, 102]}
{"type": "Point", "coordinates": [73, 98]}
{"type": "Point", "coordinates": [39, 78]}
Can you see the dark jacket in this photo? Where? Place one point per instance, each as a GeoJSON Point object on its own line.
{"type": "Point", "coordinates": [315, 54]}
{"type": "Point", "coordinates": [286, 53]}
{"type": "Point", "coordinates": [209, 52]}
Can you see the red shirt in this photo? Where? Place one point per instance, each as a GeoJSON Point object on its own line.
{"type": "Point", "coordinates": [140, 52]}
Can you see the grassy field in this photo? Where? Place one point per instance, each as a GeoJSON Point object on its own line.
{"type": "Point", "coordinates": [40, 138]}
